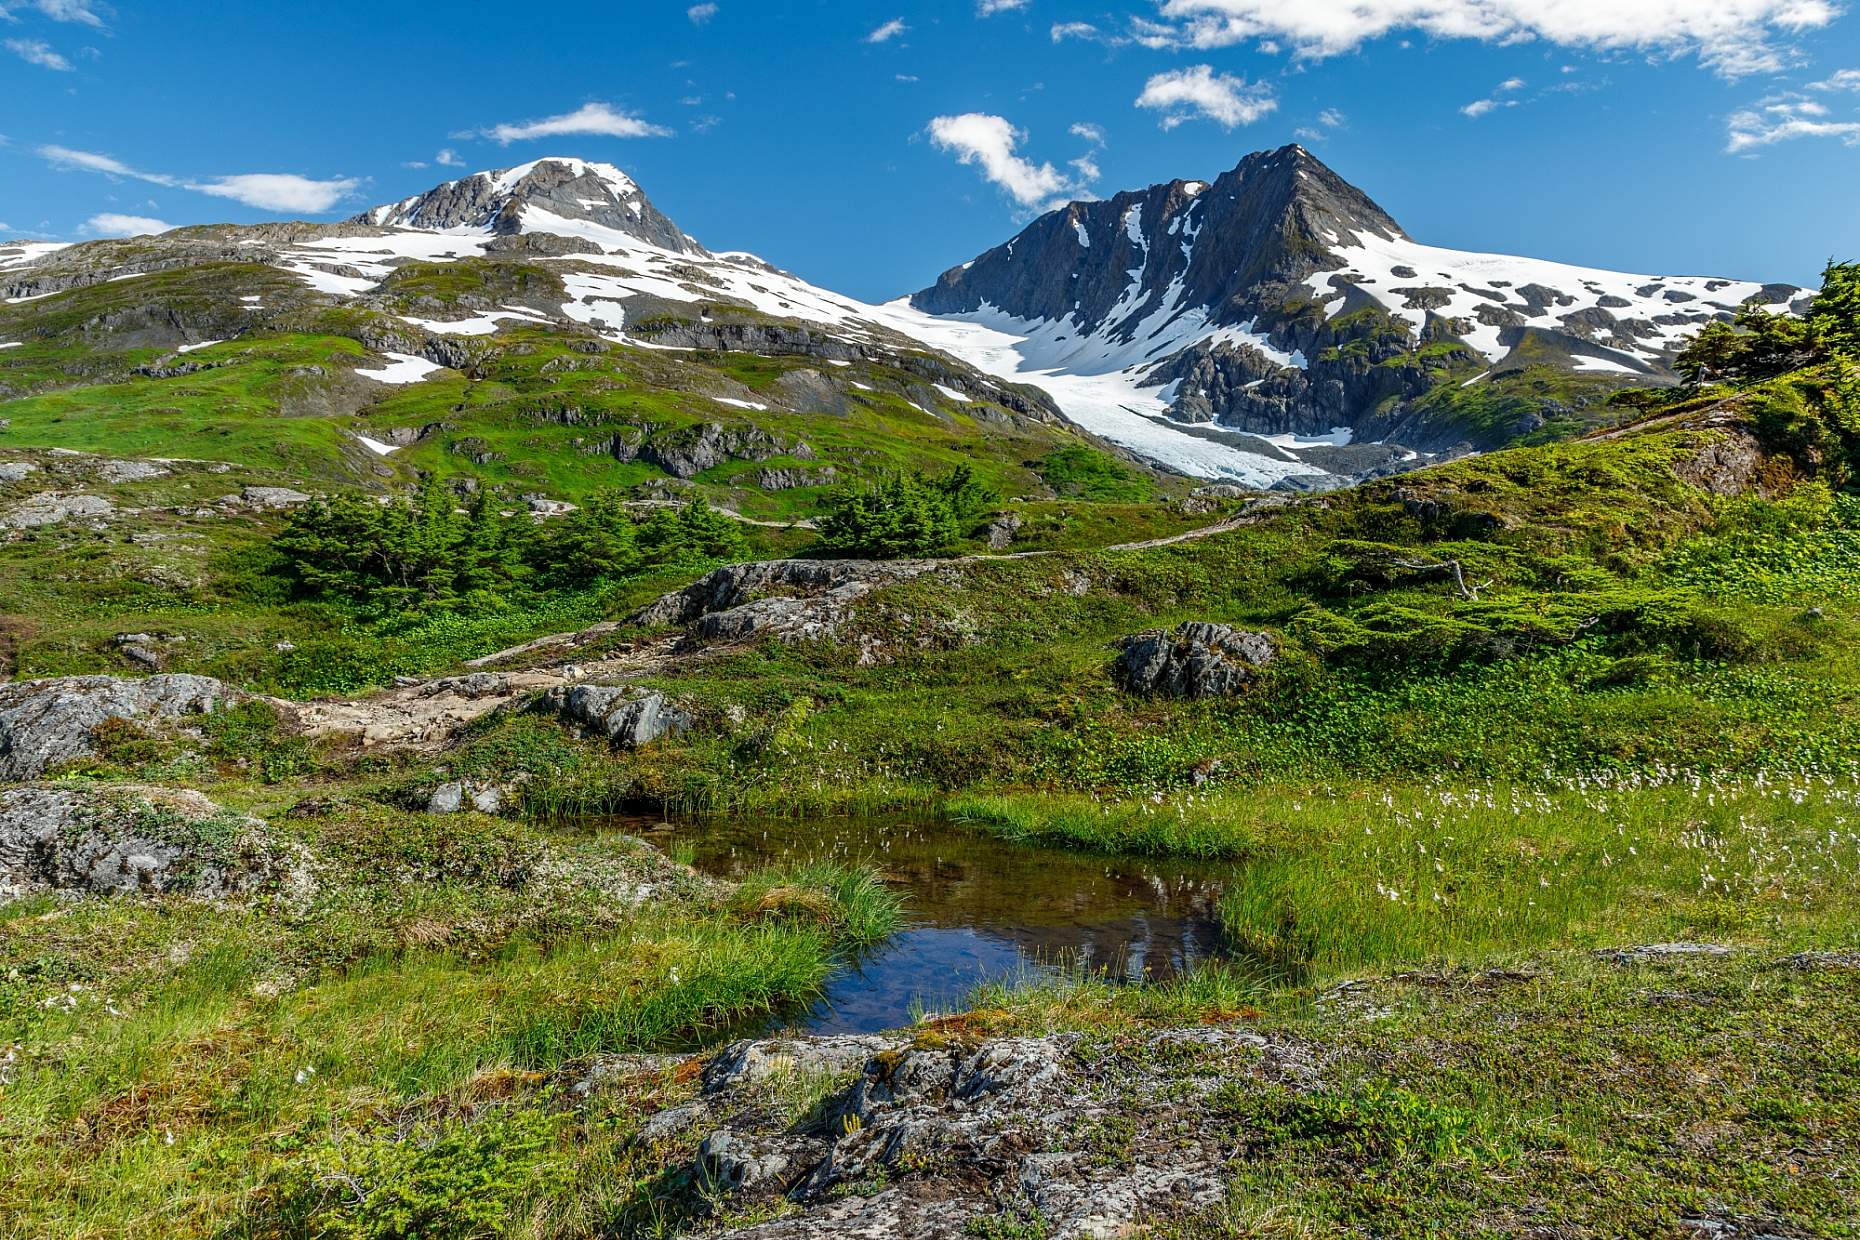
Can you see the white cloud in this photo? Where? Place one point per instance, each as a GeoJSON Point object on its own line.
{"type": "Point", "coordinates": [988, 8]}
{"type": "Point", "coordinates": [1782, 118]}
{"type": "Point", "coordinates": [1846, 79]}
{"type": "Point", "coordinates": [448, 158]}
{"type": "Point", "coordinates": [1510, 84]}
{"type": "Point", "coordinates": [887, 32]}
{"type": "Point", "coordinates": [278, 191]}
{"type": "Point", "coordinates": [38, 52]}
{"type": "Point", "coordinates": [1091, 133]}
{"type": "Point", "coordinates": [1735, 37]}
{"type": "Point", "coordinates": [598, 119]}
{"type": "Point", "coordinates": [990, 142]}
{"type": "Point", "coordinates": [79, 11]}
{"type": "Point", "coordinates": [1482, 107]}
{"type": "Point", "coordinates": [110, 224]}
{"type": "Point", "coordinates": [1331, 118]}
{"type": "Point", "coordinates": [701, 13]}
{"type": "Point", "coordinates": [268, 191]}
{"type": "Point", "coordinates": [1073, 30]}
{"type": "Point", "coordinates": [1183, 94]}
{"type": "Point", "coordinates": [90, 161]}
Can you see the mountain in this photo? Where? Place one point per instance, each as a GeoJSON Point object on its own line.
{"type": "Point", "coordinates": [1281, 301]}
{"type": "Point", "coordinates": [544, 331]}
{"type": "Point", "coordinates": [1274, 327]}
{"type": "Point", "coordinates": [559, 196]}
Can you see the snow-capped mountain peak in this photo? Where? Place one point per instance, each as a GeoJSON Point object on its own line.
{"type": "Point", "coordinates": [1281, 300]}
{"type": "Point", "coordinates": [557, 194]}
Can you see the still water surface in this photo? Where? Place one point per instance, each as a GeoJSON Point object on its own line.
{"type": "Point", "coordinates": [981, 910]}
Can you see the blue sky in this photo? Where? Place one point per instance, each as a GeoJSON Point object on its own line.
{"type": "Point", "coordinates": [869, 146]}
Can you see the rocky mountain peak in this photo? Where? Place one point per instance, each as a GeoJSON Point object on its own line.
{"type": "Point", "coordinates": [561, 195]}
{"type": "Point", "coordinates": [1108, 265]}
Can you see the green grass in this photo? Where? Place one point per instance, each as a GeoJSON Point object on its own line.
{"type": "Point", "coordinates": [174, 1059]}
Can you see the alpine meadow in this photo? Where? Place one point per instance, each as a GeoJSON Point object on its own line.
{"type": "Point", "coordinates": [1218, 716]}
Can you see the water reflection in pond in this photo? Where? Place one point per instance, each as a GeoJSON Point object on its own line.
{"type": "Point", "coordinates": [981, 910]}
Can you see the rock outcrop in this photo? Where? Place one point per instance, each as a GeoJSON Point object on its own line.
{"type": "Point", "coordinates": [943, 1138]}
{"type": "Point", "coordinates": [130, 840]}
{"type": "Point", "coordinates": [54, 508]}
{"type": "Point", "coordinates": [44, 723]}
{"type": "Point", "coordinates": [794, 600]}
{"type": "Point", "coordinates": [631, 718]}
{"type": "Point", "coordinates": [1198, 660]}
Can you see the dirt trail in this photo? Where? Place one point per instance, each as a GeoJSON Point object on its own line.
{"type": "Point", "coordinates": [428, 714]}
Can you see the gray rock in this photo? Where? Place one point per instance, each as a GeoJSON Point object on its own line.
{"type": "Point", "coordinates": [795, 479]}
{"type": "Point", "coordinates": [273, 497]}
{"type": "Point", "coordinates": [15, 471]}
{"type": "Point", "coordinates": [130, 471]}
{"type": "Point", "coordinates": [446, 799]}
{"type": "Point", "coordinates": [631, 718]}
{"type": "Point", "coordinates": [1197, 661]}
{"type": "Point", "coordinates": [487, 800]}
{"type": "Point", "coordinates": [753, 1062]}
{"type": "Point", "coordinates": [130, 840]}
{"type": "Point", "coordinates": [734, 1162]}
{"type": "Point", "coordinates": [1002, 531]}
{"type": "Point", "coordinates": [933, 1141]}
{"type": "Point", "coordinates": [53, 508]}
{"type": "Point", "coordinates": [1810, 962]}
{"type": "Point", "coordinates": [1650, 952]}
{"type": "Point", "coordinates": [44, 723]}
{"type": "Point", "coordinates": [790, 600]}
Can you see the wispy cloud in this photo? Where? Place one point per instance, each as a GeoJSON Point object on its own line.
{"type": "Point", "coordinates": [1733, 37]}
{"type": "Point", "coordinates": [110, 224]}
{"type": "Point", "coordinates": [267, 191]}
{"type": "Point", "coordinates": [992, 144]}
{"type": "Point", "coordinates": [594, 119]}
{"type": "Point", "coordinates": [887, 32]}
{"type": "Point", "coordinates": [448, 158]}
{"type": "Point", "coordinates": [80, 11]}
{"type": "Point", "coordinates": [38, 52]}
{"type": "Point", "coordinates": [988, 8]}
{"type": "Point", "coordinates": [1783, 118]}
{"type": "Point", "coordinates": [1182, 95]}
{"type": "Point", "coordinates": [278, 191]}
{"type": "Point", "coordinates": [701, 13]}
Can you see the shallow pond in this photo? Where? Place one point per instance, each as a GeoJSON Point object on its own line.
{"type": "Point", "coordinates": [980, 910]}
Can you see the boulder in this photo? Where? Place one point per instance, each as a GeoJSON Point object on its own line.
{"type": "Point", "coordinates": [273, 497]}
{"type": "Point", "coordinates": [44, 723]}
{"type": "Point", "coordinates": [130, 840]}
{"type": "Point", "coordinates": [130, 471]}
{"type": "Point", "coordinates": [1003, 530]}
{"type": "Point", "coordinates": [1198, 660]}
{"type": "Point", "coordinates": [53, 508]}
{"type": "Point", "coordinates": [15, 471]}
{"type": "Point", "coordinates": [631, 718]}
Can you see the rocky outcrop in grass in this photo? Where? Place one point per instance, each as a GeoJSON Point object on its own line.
{"type": "Point", "coordinates": [131, 840]}
{"type": "Point", "coordinates": [1198, 660]}
{"type": "Point", "coordinates": [47, 723]}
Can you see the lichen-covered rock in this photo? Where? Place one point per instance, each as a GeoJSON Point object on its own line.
{"type": "Point", "coordinates": [1198, 660]}
{"type": "Point", "coordinates": [631, 718]}
{"type": "Point", "coordinates": [53, 508]}
{"type": "Point", "coordinates": [791, 600]}
{"type": "Point", "coordinates": [936, 1140]}
{"type": "Point", "coordinates": [129, 840]}
{"type": "Point", "coordinates": [44, 723]}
